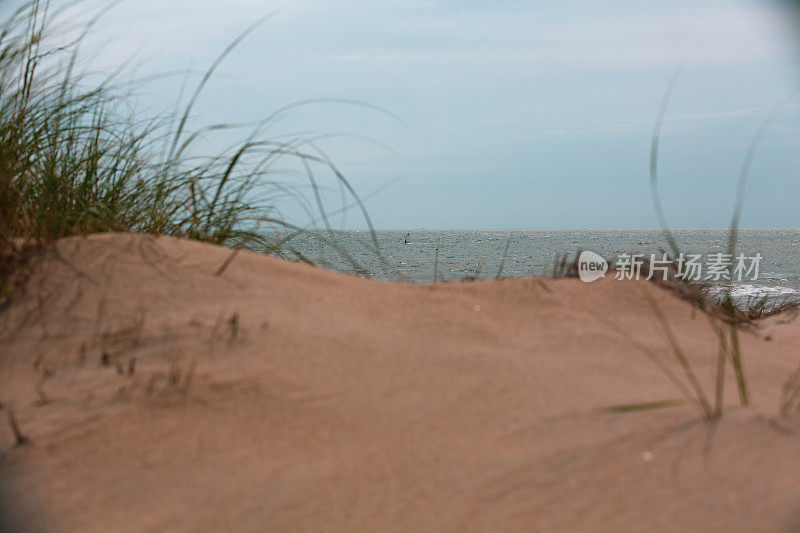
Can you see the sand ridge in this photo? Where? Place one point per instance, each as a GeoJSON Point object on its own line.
{"type": "Point", "coordinates": [159, 395]}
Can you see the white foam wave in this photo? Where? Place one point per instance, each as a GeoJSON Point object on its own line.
{"type": "Point", "coordinates": [752, 292]}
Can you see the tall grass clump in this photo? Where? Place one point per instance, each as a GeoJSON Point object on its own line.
{"type": "Point", "coordinates": [77, 158]}
{"type": "Point", "coordinates": [732, 313]}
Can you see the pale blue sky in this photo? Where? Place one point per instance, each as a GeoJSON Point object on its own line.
{"type": "Point", "coordinates": [525, 114]}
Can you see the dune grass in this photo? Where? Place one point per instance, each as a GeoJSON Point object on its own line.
{"type": "Point", "coordinates": [725, 316]}
{"type": "Point", "coordinates": [722, 316]}
{"type": "Point", "coordinates": [77, 158]}
{"type": "Point", "coordinates": [732, 314]}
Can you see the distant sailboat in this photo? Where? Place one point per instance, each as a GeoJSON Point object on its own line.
{"type": "Point", "coordinates": [408, 238]}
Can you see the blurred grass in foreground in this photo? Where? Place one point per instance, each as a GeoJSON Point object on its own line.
{"type": "Point", "coordinates": [76, 158]}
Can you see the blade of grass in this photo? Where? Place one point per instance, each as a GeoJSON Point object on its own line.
{"type": "Point", "coordinates": [503, 259]}
{"type": "Point", "coordinates": [679, 355]}
{"type": "Point", "coordinates": [643, 406]}
{"type": "Point", "coordinates": [436, 260]}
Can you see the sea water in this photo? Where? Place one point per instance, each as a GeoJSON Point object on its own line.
{"type": "Point", "coordinates": [486, 254]}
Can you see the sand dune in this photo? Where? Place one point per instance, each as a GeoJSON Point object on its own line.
{"type": "Point", "coordinates": [157, 395]}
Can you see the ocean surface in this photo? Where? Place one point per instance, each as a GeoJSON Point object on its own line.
{"type": "Point", "coordinates": [483, 254]}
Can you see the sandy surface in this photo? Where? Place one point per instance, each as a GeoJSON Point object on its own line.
{"type": "Point", "coordinates": [156, 395]}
